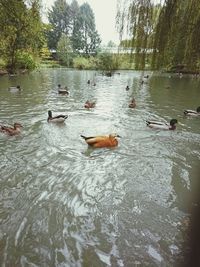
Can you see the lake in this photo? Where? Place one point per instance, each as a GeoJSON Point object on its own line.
{"type": "Point", "coordinates": [64, 204]}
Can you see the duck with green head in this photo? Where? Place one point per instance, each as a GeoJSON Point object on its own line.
{"type": "Point", "coordinates": [162, 125]}
{"type": "Point", "coordinates": [57, 119]}
{"type": "Point", "coordinates": [190, 112]}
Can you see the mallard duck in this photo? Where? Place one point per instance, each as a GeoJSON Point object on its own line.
{"type": "Point", "coordinates": [194, 113]}
{"type": "Point", "coordinates": [162, 125]}
{"type": "Point", "coordinates": [63, 91]}
{"type": "Point", "coordinates": [15, 88]}
{"type": "Point", "coordinates": [102, 141]}
{"type": "Point", "coordinates": [132, 104]}
{"type": "Point", "coordinates": [57, 119]}
{"type": "Point", "coordinates": [15, 130]}
{"type": "Point", "coordinates": [89, 104]}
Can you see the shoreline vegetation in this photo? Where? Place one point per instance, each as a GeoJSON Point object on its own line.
{"type": "Point", "coordinates": [157, 37]}
{"type": "Point", "coordinates": [85, 64]}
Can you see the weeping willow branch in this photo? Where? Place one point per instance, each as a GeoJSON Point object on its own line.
{"type": "Point", "coordinates": [167, 33]}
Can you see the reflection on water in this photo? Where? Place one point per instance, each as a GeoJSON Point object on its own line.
{"type": "Point", "coordinates": [64, 204]}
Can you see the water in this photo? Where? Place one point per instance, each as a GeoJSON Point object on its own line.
{"type": "Point", "coordinates": [63, 204]}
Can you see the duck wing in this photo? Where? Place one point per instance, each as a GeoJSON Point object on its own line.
{"type": "Point", "coordinates": [93, 139]}
{"type": "Point", "coordinates": [8, 130]}
{"type": "Point", "coordinates": [156, 123]}
{"type": "Point", "coordinates": [189, 111]}
{"type": "Point", "coordinates": [61, 116]}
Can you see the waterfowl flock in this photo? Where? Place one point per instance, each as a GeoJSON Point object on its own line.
{"type": "Point", "coordinates": [110, 140]}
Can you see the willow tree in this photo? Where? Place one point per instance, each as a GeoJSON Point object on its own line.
{"type": "Point", "coordinates": [171, 30]}
{"type": "Point", "coordinates": [136, 19]}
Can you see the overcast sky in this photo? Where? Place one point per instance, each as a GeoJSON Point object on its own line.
{"type": "Point", "coordinates": [105, 13]}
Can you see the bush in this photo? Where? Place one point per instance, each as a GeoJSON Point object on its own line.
{"type": "Point", "coordinates": [108, 62]}
{"type": "Point", "coordinates": [81, 63]}
{"type": "Point", "coordinates": [25, 61]}
{"type": "Point", "coordinates": [2, 64]}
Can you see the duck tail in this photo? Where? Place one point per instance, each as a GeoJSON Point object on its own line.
{"type": "Point", "coordinates": [147, 122]}
{"type": "Point", "coordinates": [86, 138]}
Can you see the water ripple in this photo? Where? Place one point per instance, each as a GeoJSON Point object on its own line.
{"type": "Point", "coordinates": [64, 204]}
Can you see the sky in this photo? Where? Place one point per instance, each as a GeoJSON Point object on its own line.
{"type": "Point", "coordinates": [105, 12]}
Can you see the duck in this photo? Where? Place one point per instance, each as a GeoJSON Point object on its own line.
{"type": "Point", "coordinates": [127, 88]}
{"type": "Point", "coordinates": [89, 104]}
{"type": "Point", "coordinates": [132, 104]}
{"type": "Point", "coordinates": [56, 119]}
{"type": "Point", "coordinates": [162, 125]}
{"type": "Point", "coordinates": [193, 113]}
{"type": "Point", "coordinates": [63, 91]}
{"type": "Point", "coordinates": [15, 88]}
{"type": "Point", "coordinates": [102, 140]}
{"type": "Point", "coordinates": [15, 130]}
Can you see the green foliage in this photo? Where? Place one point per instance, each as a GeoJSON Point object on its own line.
{"type": "Point", "coordinates": [90, 39]}
{"type": "Point", "coordinates": [108, 61]}
{"type": "Point", "coordinates": [77, 23]}
{"type": "Point", "coordinates": [105, 61]}
{"type": "Point", "coordinates": [25, 61]}
{"type": "Point", "coordinates": [45, 53]}
{"type": "Point", "coordinates": [59, 19]}
{"type": "Point", "coordinates": [89, 63]}
{"type": "Point", "coordinates": [171, 31]}
{"type": "Point", "coordinates": [64, 50]}
{"type": "Point", "coordinates": [21, 29]}
{"type": "Point", "coordinates": [2, 63]}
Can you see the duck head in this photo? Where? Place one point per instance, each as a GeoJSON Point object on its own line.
{"type": "Point", "coordinates": [173, 122]}
{"type": "Point", "coordinates": [198, 109]}
{"type": "Point", "coordinates": [50, 114]}
{"type": "Point", "coordinates": [17, 125]}
{"type": "Point", "coordinates": [114, 135]}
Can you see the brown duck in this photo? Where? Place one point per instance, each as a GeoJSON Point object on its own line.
{"type": "Point", "coordinates": [15, 130]}
{"type": "Point", "coordinates": [102, 141]}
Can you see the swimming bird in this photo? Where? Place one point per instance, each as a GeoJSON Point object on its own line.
{"type": "Point", "coordinates": [162, 125]}
{"type": "Point", "coordinates": [102, 141]}
{"type": "Point", "coordinates": [89, 104]}
{"type": "Point", "coordinates": [63, 91]}
{"type": "Point", "coordinates": [194, 113]}
{"type": "Point", "coordinates": [132, 104]}
{"type": "Point", "coordinates": [127, 88]}
{"type": "Point", "coordinates": [15, 130]}
{"type": "Point", "coordinates": [56, 119]}
{"type": "Point", "coordinates": [14, 89]}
